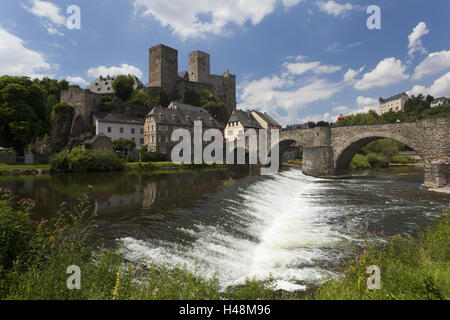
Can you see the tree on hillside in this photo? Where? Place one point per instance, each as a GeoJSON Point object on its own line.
{"type": "Point", "coordinates": [123, 87]}
{"type": "Point", "coordinates": [418, 104]}
{"type": "Point", "coordinates": [24, 115]}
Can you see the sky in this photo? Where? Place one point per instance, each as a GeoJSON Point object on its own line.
{"type": "Point", "coordinates": [297, 60]}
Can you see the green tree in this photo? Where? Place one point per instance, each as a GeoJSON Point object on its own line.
{"type": "Point", "coordinates": [124, 145]}
{"type": "Point", "coordinates": [123, 87]}
{"type": "Point", "coordinates": [24, 114]}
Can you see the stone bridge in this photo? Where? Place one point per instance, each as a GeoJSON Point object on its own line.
{"type": "Point", "coordinates": [327, 152]}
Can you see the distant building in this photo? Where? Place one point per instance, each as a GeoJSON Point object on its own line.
{"type": "Point", "coordinates": [239, 122]}
{"type": "Point", "coordinates": [100, 143]}
{"type": "Point", "coordinates": [395, 103]}
{"type": "Point", "coordinates": [161, 122]}
{"type": "Point", "coordinates": [116, 126]}
{"type": "Point", "coordinates": [266, 121]}
{"type": "Point", "coordinates": [438, 102]}
{"type": "Point", "coordinates": [103, 85]}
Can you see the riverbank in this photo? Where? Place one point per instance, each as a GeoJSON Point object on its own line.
{"type": "Point", "coordinates": [26, 169]}
{"type": "Point", "coordinates": [147, 167]}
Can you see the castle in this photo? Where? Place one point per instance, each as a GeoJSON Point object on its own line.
{"type": "Point", "coordinates": [163, 73]}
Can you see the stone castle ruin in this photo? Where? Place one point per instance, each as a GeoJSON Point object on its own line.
{"type": "Point", "coordinates": [163, 73]}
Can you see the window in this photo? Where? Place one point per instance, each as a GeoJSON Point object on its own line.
{"type": "Point", "coordinates": [152, 149]}
{"type": "Point", "coordinates": [142, 141]}
{"type": "Point", "coordinates": [121, 130]}
{"type": "Point", "coordinates": [230, 132]}
{"type": "Point", "coordinates": [134, 139]}
{"type": "Point", "coordinates": [153, 138]}
{"type": "Point", "coordinates": [163, 149]}
{"type": "Point", "coordinates": [142, 131]}
{"type": "Point", "coordinates": [133, 131]}
{"type": "Point", "coordinates": [109, 129]}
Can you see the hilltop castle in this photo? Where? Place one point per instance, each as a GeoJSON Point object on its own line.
{"type": "Point", "coordinates": [163, 73]}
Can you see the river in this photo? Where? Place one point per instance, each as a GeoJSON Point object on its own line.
{"type": "Point", "coordinates": [236, 224]}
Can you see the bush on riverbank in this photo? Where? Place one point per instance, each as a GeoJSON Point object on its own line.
{"type": "Point", "coordinates": [379, 153]}
{"type": "Point", "coordinates": [410, 269]}
{"type": "Point", "coordinates": [84, 160]}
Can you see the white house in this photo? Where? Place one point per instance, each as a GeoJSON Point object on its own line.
{"type": "Point", "coordinates": [116, 126]}
{"type": "Point", "coordinates": [239, 122]}
{"type": "Point", "coordinates": [395, 103]}
{"type": "Point", "coordinates": [103, 85]}
{"type": "Point", "coordinates": [438, 102]}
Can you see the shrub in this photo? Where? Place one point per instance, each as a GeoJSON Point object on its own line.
{"type": "Point", "coordinates": [15, 227]}
{"type": "Point", "coordinates": [82, 160]}
{"type": "Point", "coordinates": [359, 162]}
{"type": "Point", "coordinates": [377, 160]}
{"type": "Point", "coordinates": [62, 110]}
{"type": "Point", "coordinates": [154, 157]}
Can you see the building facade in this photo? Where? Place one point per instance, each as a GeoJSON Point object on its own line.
{"type": "Point", "coordinates": [103, 85]}
{"type": "Point", "coordinates": [161, 122]}
{"type": "Point", "coordinates": [240, 121]}
{"type": "Point", "coordinates": [163, 73]}
{"type": "Point", "coordinates": [117, 126]}
{"type": "Point", "coordinates": [100, 143]}
{"type": "Point", "coordinates": [395, 103]}
{"type": "Point", "coordinates": [266, 121]}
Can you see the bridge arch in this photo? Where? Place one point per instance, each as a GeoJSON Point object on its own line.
{"type": "Point", "coordinates": [344, 153]}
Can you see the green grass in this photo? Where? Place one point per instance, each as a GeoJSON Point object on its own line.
{"type": "Point", "coordinates": [410, 269]}
{"type": "Point", "coordinates": [26, 167]}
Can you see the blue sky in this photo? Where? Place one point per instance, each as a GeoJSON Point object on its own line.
{"type": "Point", "coordinates": [298, 60]}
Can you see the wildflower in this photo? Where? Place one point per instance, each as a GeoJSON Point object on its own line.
{"type": "Point", "coordinates": [52, 241]}
{"type": "Point", "coordinates": [116, 288]}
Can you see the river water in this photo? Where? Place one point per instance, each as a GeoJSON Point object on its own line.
{"type": "Point", "coordinates": [236, 224]}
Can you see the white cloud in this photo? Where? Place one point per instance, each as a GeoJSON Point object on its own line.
{"type": "Point", "coordinates": [333, 8]}
{"type": "Point", "coordinates": [434, 63]}
{"type": "Point", "coordinates": [440, 87]}
{"type": "Point", "coordinates": [388, 71]}
{"type": "Point", "coordinates": [77, 80]}
{"type": "Point", "coordinates": [17, 60]}
{"type": "Point", "coordinates": [114, 71]}
{"type": "Point", "coordinates": [362, 101]}
{"type": "Point", "coordinates": [341, 109]}
{"type": "Point", "coordinates": [197, 18]}
{"type": "Point", "coordinates": [415, 42]}
{"type": "Point", "coordinates": [351, 74]}
{"type": "Point", "coordinates": [269, 93]}
{"type": "Point", "coordinates": [48, 12]}
{"type": "Point", "coordinates": [316, 67]}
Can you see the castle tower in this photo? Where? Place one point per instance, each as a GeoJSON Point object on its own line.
{"type": "Point", "coordinates": [199, 67]}
{"type": "Point", "coordinates": [163, 68]}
